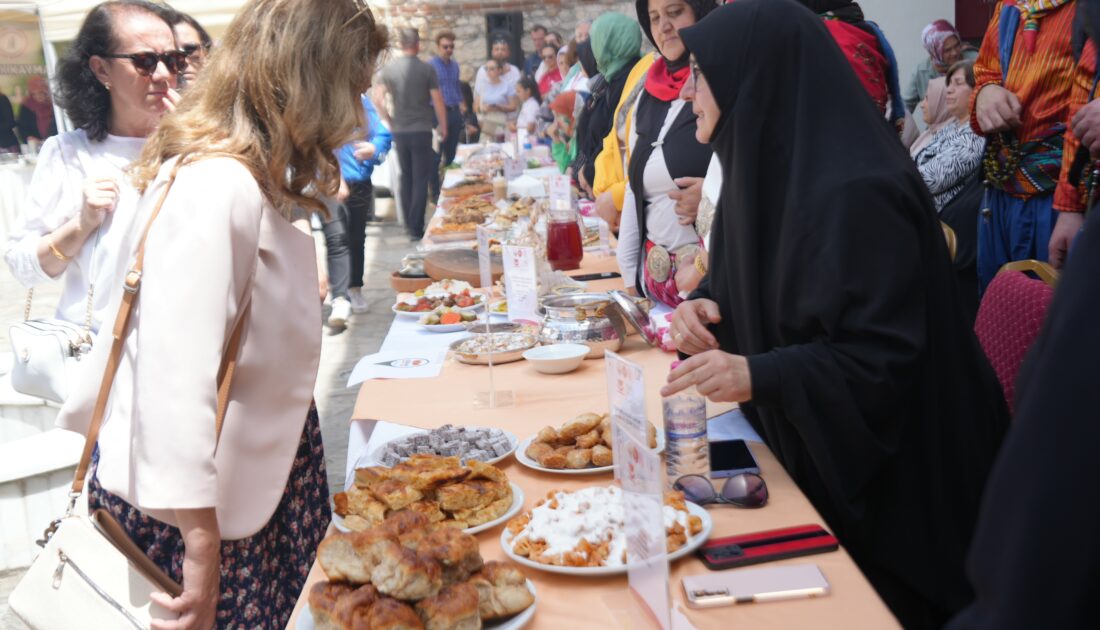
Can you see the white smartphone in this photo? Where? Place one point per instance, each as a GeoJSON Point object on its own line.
{"type": "Point", "coordinates": [748, 586]}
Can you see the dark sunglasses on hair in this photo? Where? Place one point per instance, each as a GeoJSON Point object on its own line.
{"type": "Point", "coordinates": [191, 49]}
{"type": "Point", "coordinates": [146, 62]}
{"type": "Point", "coordinates": [746, 490]}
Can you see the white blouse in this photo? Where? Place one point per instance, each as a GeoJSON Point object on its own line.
{"type": "Point", "coordinates": [528, 113]}
{"type": "Point", "coordinates": [55, 196]}
{"type": "Point", "coordinates": [661, 221]}
{"type": "Point", "coordinates": [216, 245]}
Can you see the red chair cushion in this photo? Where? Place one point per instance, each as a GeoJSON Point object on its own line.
{"type": "Point", "coordinates": [1009, 319]}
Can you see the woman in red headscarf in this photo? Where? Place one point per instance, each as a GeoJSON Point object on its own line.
{"type": "Point", "coordinates": [36, 115]}
{"type": "Point", "coordinates": [657, 235]}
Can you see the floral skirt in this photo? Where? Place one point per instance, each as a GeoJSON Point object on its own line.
{"type": "Point", "coordinates": [262, 575]}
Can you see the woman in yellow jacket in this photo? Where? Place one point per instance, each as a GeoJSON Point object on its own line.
{"type": "Point", "coordinates": [609, 185]}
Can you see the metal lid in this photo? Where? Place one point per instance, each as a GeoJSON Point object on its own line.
{"type": "Point", "coordinates": [633, 312]}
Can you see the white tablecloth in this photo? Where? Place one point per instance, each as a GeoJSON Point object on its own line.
{"type": "Point", "coordinates": [14, 180]}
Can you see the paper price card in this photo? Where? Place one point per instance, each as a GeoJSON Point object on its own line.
{"type": "Point", "coordinates": [638, 469]}
{"type": "Point", "coordinates": [484, 257]}
{"type": "Point", "coordinates": [561, 193]}
{"type": "Point", "coordinates": [626, 395]}
{"type": "Point", "coordinates": [521, 286]}
{"type": "Point", "coordinates": [513, 168]}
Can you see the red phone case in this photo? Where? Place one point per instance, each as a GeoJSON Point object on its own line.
{"type": "Point", "coordinates": [776, 544]}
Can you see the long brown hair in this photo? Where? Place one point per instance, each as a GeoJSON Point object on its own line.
{"type": "Point", "coordinates": [280, 93]}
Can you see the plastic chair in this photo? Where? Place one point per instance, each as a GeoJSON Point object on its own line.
{"type": "Point", "coordinates": [1010, 318]}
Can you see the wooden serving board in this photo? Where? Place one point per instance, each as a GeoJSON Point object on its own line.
{"type": "Point", "coordinates": [459, 264]}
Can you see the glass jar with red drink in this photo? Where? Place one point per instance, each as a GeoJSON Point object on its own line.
{"type": "Point", "coordinates": [564, 248]}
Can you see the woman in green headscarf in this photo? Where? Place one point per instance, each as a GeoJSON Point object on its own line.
{"type": "Point", "coordinates": [616, 42]}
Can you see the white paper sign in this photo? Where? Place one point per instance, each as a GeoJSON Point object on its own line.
{"type": "Point", "coordinates": [407, 364]}
{"type": "Point", "coordinates": [521, 283]}
{"type": "Point", "coordinates": [513, 168]}
{"type": "Point", "coordinates": [639, 472]}
{"type": "Point", "coordinates": [484, 257]}
{"type": "Point", "coordinates": [626, 395]}
{"type": "Point", "coordinates": [561, 193]}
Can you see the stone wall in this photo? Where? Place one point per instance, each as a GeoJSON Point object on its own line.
{"type": "Point", "coordinates": [467, 19]}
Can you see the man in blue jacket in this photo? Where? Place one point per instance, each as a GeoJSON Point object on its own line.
{"type": "Point", "coordinates": [345, 234]}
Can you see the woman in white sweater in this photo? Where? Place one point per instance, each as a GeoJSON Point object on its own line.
{"type": "Point", "coordinates": [114, 83]}
{"type": "Point", "coordinates": [237, 517]}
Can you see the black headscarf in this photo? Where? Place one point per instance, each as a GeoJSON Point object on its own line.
{"type": "Point", "coordinates": [587, 59]}
{"type": "Point", "coordinates": [700, 7]}
{"type": "Point", "coordinates": [832, 277]}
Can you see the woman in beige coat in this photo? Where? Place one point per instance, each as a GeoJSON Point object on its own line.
{"type": "Point", "coordinates": [237, 521]}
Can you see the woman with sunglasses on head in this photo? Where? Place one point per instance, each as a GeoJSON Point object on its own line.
{"type": "Point", "coordinates": [655, 241]}
{"type": "Point", "coordinates": [114, 82]}
{"type": "Point", "coordinates": [194, 41]}
{"type": "Point", "coordinates": [230, 272]}
{"type": "Point", "coordinates": [829, 310]}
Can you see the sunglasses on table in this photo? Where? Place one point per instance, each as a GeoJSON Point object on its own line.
{"type": "Point", "coordinates": [146, 62]}
{"type": "Point", "coordinates": [746, 490]}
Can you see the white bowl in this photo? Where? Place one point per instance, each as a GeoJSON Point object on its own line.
{"type": "Point", "coordinates": [559, 358]}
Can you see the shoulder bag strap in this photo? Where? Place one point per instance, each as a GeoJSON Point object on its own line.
{"type": "Point", "coordinates": [132, 284]}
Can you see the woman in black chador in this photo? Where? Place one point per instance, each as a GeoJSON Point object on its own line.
{"type": "Point", "coordinates": [829, 308]}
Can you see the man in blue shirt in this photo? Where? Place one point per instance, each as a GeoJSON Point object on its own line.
{"type": "Point", "coordinates": [448, 72]}
{"type": "Point", "coordinates": [531, 64]}
{"type": "Point", "coordinates": [346, 231]}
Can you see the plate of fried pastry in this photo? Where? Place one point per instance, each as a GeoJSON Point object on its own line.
{"type": "Point", "coordinates": [581, 446]}
{"type": "Point", "coordinates": [407, 572]}
{"type": "Point", "coordinates": [583, 532]}
{"type": "Point", "coordinates": [472, 497]}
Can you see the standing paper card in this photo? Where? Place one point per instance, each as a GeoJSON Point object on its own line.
{"type": "Point", "coordinates": [561, 193]}
{"type": "Point", "coordinates": [513, 168]}
{"type": "Point", "coordinates": [484, 257]}
{"type": "Point", "coordinates": [521, 286]}
{"type": "Point", "coordinates": [626, 395]}
{"type": "Point", "coordinates": [638, 469]}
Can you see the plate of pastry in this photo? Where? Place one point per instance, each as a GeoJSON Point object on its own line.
{"type": "Point", "coordinates": [581, 446]}
{"type": "Point", "coordinates": [408, 572]}
{"type": "Point", "coordinates": [583, 532]}
{"type": "Point", "coordinates": [471, 497]}
{"type": "Point", "coordinates": [483, 444]}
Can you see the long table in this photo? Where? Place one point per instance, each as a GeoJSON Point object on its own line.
{"type": "Point", "coordinates": [541, 400]}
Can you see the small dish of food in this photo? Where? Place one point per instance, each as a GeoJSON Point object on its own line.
{"type": "Point", "coordinates": [447, 319]}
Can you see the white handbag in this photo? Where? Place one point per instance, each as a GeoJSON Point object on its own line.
{"type": "Point", "coordinates": [46, 352]}
{"type": "Point", "coordinates": [90, 574]}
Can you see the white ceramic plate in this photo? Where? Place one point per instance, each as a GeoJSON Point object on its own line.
{"type": "Point", "coordinates": [305, 619]}
{"type": "Point", "coordinates": [521, 457]}
{"type": "Point", "coordinates": [693, 543]}
{"type": "Point", "coordinates": [517, 505]}
{"type": "Point", "coordinates": [375, 456]}
{"type": "Point", "coordinates": [419, 314]}
{"type": "Point", "coordinates": [443, 328]}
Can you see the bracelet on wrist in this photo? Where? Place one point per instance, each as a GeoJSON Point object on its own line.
{"type": "Point", "coordinates": [700, 266]}
{"type": "Point", "coordinates": [57, 253]}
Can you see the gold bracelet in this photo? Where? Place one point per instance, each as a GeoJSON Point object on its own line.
{"type": "Point", "coordinates": [700, 266]}
{"type": "Point", "coordinates": [57, 252]}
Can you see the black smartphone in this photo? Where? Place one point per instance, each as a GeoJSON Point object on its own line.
{"type": "Point", "coordinates": [731, 457]}
{"type": "Point", "coordinates": [607, 275]}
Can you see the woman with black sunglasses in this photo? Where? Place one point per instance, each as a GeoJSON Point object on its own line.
{"type": "Point", "coordinates": [115, 82]}
{"type": "Point", "coordinates": [194, 41]}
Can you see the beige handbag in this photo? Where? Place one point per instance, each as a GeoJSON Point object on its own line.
{"type": "Point", "coordinates": [90, 574]}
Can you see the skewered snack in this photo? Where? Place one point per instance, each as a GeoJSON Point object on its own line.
{"type": "Point", "coordinates": [586, 528]}
{"type": "Point", "coordinates": [441, 489]}
{"type": "Point", "coordinates": [380, 575]}
{"type": "Point", "coordinates": [583, 442]}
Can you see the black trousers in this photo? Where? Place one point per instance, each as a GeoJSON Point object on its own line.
{"type": "Point", "coordinates": [336, 248]}
{"type": "Point", "coordinates": [417, 161]}
{"type": "Point", "coordinates": [446, 156]}
{"type": "Point", "coordinates": [360, 209]}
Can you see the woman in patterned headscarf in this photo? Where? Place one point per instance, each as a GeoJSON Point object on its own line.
{"type": "Point", "coordinates": [945, 48]}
